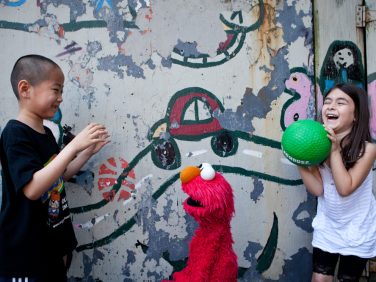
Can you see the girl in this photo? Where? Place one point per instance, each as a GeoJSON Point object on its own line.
{"type": "Point", "coordinates": [345, 224]}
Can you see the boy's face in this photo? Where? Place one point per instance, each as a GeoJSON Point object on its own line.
{"type": "Point", "coordinates": [46, 97]}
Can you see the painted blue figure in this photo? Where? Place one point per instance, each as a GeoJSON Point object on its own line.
{"type": "Point", "coordinates": [342, 64]}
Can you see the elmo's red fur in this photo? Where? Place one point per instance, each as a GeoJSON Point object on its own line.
{"type": "Point", "coordinates": [211, 257]}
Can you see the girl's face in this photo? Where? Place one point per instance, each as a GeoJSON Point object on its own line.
{"type": "Point", "coordinates": [338, 111]}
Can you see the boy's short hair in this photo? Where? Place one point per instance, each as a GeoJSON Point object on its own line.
{"type": "Point", "coordinates": [33, 68]}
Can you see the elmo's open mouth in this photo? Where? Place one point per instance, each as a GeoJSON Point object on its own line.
{"type": "Point", "coordinates": [193, 203]}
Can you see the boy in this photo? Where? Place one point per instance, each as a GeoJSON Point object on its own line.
{"type": "Point", "coordinates": [36, 231]}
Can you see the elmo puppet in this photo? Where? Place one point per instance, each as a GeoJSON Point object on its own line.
{"type": "Point", "coordinates": [211, 204]}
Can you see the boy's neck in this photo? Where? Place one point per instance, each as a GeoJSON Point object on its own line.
{"type": "Point", "coordinates": [32, 121]}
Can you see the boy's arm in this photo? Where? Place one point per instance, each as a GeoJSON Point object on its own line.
{"type": "Point", "coordinates": [76, 164]}
{"type": "Point", "coordinates": [45, 177]}
{"type": "Point", "coordinates": [312, 180]}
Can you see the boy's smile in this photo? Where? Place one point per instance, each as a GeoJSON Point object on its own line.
{"type": "Point", "coordinates": [46, 97]}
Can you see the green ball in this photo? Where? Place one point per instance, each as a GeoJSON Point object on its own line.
{"type": "Point", "coordinates": [305, 143]}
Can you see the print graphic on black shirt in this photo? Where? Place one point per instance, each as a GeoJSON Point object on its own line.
{"type": "Point", "coordinates": [58, 210]}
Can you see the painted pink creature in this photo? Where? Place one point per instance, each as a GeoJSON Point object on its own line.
{"type": "Point", "coordinates": [300, 86]}
{"type": "Point", "coordinates": [372, 99]}
{"type": "Point", "coordinates": [211, 203]}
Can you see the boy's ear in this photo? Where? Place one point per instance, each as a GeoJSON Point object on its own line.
{"type": "Point", "coordinates": [24, 88]}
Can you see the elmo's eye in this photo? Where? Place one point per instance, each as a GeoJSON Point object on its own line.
{"type": "Point", "coordinates": [207, 171]}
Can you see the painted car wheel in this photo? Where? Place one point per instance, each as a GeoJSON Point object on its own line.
{"type": "Point", "coordinates": [224, 144]}
{"type": "Point", "coordinates": [165, 154]}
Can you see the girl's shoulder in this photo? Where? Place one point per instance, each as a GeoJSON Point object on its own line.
{"type": "Point", "coordinates": [371, 149]}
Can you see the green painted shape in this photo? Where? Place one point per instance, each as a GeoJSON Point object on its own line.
{"type": "Point", "coordinates": [265, 259]}
{"type": "Point", "coordinates": [204, 63]}
{"type": "Point", "coordinates": [68, 27]}
{"type": "Point", "coordinates": [245, 29]}
{"type": "Point", "coordinates": [14, 26]}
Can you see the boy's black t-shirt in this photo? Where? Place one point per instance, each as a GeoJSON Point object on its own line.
{"type": "Point", "coordinates": [33, 233]}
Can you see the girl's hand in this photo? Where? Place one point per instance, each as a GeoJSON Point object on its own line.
{"type": "Point", "coordinates": [333, 137]}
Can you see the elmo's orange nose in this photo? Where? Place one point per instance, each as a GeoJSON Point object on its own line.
{"type": "Point", "coordinates": [188, 173]}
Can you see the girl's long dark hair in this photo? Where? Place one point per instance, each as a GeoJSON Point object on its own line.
{"type": "Point", "coordinates": [353, 144]}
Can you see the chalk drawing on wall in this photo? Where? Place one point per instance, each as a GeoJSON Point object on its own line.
{"type": "Point", "coordinates": [299, 85]}
{"type": "Point", "coordinates": [236, 33]}
{"type": "Point", "coordinates": [342, 63]}
{"type": "Point", "coordinates": [81, 75]}
{"type": "Point", "coordinates": [189, 117]}
{"type": "Point", "coordinates": [108, 176]}
{"type": "Point", "coordinates": [99, 4]}
{"type": "Point", "coordinates": [71, 48]}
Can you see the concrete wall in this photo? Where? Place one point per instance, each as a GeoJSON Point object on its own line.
{"type": "Point", "coordinates": [130, 65]}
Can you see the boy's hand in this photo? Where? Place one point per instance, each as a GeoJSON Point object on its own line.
{"type": "Point", "coordinates": [95, 148]}
{"type": "Point", "coordinates": [93, 136]}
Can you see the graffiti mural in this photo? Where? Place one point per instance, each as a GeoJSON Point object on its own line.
{"type": "Point", "coordinates": [342, 63]}
{"type": "Point", "coordinates": [300, 86]}
{"type": "Point", "coordinates": [179, 84]}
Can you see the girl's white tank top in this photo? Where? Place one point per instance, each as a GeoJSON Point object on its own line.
{"type": "Point", "coordinates": [345, 225]}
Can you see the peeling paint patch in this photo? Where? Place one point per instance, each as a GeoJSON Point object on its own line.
{"type": "Point", "coordinates": [257, 105]}
{"type": "Point", "coordinates": [258, 189]}
{"type": "Point", "coordinates": [294, 26]}
{"type": "Point", "coordinates": [304, 214]}
{"type": "Point", "coordinates": [86, 180]}
{"type": "Point", "coordinates": [253, 153]}
{"type": "Point", "coordinates": [195, 153]}
{"type": "Point", "coordinates": [48, 27]}
{"type": "Point", "coordinates": [77, 7]}
{"type": "Point", "coordinates": [251, 274]}
{"type": "Point", "coordinates": [115, 64]}
{"type": "Point", "coordinates": [298, 268]}
{"type": "Point", "coordinates": [92, 222]}
{"type": "Point", "coordinates": [131, 259]}
{"type": "Point", "coordinates": [187, 49]}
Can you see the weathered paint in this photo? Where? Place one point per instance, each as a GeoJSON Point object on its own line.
{"type": "Point", "coordinates": [177, 84]}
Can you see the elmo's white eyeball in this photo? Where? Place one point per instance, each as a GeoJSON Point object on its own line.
{"type": "Point", "coordinates": [207, 171]}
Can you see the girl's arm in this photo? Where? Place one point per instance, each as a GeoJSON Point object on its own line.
{"type": "Point", "coordinates": [347, 181]}
{"type": "Point", "coordinates": [312, 179]}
